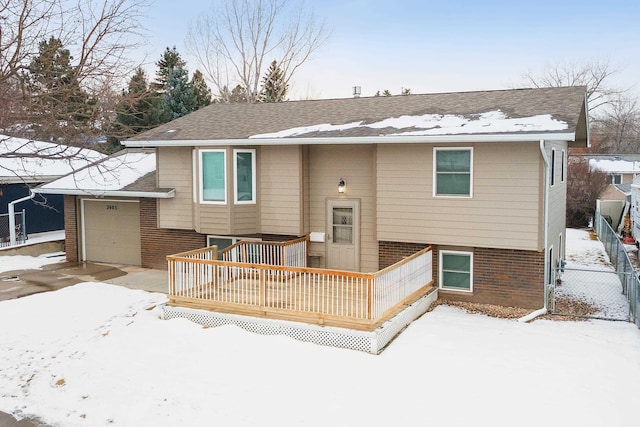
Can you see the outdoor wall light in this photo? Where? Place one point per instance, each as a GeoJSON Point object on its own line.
{"type": "Point", "coordinates": [342, 186]}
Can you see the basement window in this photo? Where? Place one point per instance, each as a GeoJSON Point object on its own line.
{"type": "Point", "coordinates": [456, 271]}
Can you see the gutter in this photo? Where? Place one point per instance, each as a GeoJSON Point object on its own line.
{"type": "Point", "coordinates": [12, 216]}
{"type": "Point", "coordinates": [545, 222]}
{"type": "Point", "coordinates": [109, 193]}
{"type": "Point", "coordinates": [391, 139]}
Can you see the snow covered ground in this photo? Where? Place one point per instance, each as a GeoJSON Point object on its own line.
{"type": "Point", "coordinates": [98, 355]}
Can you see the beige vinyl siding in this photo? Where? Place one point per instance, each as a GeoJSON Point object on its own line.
{"type": "Point", "coordinates": [175, 171]}
{"type": "Point", "coordinates": [504, 211]}
{"type": "Point", "coordinates": [280, 183]}
{"type": "Point", "coordinates": [356, 164]}
{"type": "Point", "coordinates": [245, 219]}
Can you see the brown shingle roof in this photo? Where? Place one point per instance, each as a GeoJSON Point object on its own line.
{"type": "Point", "coordinates": [240, 121]}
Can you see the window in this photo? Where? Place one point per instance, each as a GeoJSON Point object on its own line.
{"type": "Point", "coordinates": [553, 166]}
{"type": "Point", "coordinates": [244, 176]}
{"type": "Point", "coordinates": [615, 178]}
{"type": "Point", "coordinates": [453, 169]}
{"type": "Point", "coordinates": [223, 242]}
{"type": "Point", "coordinates": [213, 170]}
{"type": "Point", "coordinates": [563, 166]}
{"type": "Point", "coordinates": [456, 271]}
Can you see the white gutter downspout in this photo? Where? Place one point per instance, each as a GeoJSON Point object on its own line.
{"type": "Point", "coordinates": [12, 216]}
{"type": "Point", "coordinates": [545, 223]}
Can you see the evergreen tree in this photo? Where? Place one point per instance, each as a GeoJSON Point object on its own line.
{"type": "Point", "coordinates": [202, 91]}
{"type": "Point", "coordinates": [138, 107]}
{"type": "Point", "coordinates": [274, 87]}
{"type": "Point", "coordinates": [169, 60]}
{"type": "Point", "coordinates": [58, 105]}
{"type": "Point", "coordinates": [386, 92]}
{"type": "Point", "coordinates": [238, 94]}
{"type": "Point", "coordinates": [179, 97]}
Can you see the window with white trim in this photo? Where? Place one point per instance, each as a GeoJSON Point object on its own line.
{"type": "Point", "coordinates": [244, 176]}
{"type": "Point", "coordinates": [453, 172]}
{"type": "Point", "coordinates": [563, 167]}
{"type": "Point", "coordinates": [213, 173]}
{"type": "Point", "coordinates": [455, 271]}
{"type": "Point", "coordinates": [223, 242]}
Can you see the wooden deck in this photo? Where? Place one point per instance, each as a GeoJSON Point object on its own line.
{"type": "Point", "coordinates": [361, 301]}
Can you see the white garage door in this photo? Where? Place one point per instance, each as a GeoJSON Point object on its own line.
{"type": "Point", "coordinates": [111, 231]}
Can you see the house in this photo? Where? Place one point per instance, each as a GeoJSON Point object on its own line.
{"type": "Point", "coordinates": [478, 177]}
{"type": "Point", "coordinates": [26, 163]}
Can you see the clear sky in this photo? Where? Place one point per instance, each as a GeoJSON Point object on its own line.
{"type": "Point", "coordinates": [436, 46]}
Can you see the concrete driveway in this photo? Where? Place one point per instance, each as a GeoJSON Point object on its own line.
{"type": "Point", "coordinates": [19, 283]}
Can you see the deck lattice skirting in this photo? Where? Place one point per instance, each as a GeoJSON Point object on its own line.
{"type": "Point", "coordinates": [367, 341]}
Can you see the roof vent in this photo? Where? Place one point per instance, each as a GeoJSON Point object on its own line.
{"type": "Point", "coordinates": [356, 91]}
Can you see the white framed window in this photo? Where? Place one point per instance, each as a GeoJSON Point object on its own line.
{"type": "Point", "coordinates": [553, 167]}
{"type": "Point", "coordinates": [453, 172]}
{"type": "Point", "coordinates": [563, 167]}
{"type": "Point", "coordinates": [213, 176]}
{"type": "Point", "coordinates": [455, 271]}
{"type": "Point", "coordinates": [223, 242]}
{"type": "Point", "coordinates": [244, 176]}
{"type": "Point", "coordinates": [615, 178]}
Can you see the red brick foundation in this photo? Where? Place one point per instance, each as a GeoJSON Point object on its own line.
{"type": "Point", "coordinates": [157, 243]}
{"type": "Point", "coordinates": [71, 228]}
{"type": "Point", "coordinates": [506, 277]}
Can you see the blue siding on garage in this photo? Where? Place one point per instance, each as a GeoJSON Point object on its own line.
{"type": "Point", "coordinates": [44, 213]}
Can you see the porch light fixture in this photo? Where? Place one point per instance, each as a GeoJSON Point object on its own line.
{"type": "Point", "coordinates": [342, 185]}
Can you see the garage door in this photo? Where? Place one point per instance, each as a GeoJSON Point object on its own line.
{"type": "Point", "coordinates": [111, 231]}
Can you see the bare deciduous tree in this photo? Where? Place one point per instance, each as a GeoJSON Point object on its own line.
{"type": "Point", "coordinates": [584, 186]}
{"type": "Point", "coordinates": [98, 34]}
{"type": "Point", "coordinates": [618, 130]}
{"type": "Point", "coordinates": [235, 42]}
{"type": "Point", "coordinates": [596, 76]}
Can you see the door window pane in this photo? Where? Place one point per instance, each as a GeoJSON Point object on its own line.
{"type": "Point", "coordinates": [343, 225]}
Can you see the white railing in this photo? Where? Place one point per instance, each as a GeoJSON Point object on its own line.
{"type": "Point", "coordinates": [399, 281]}
{"type": "Point", "coordinates": [309, 294]}
{"type": "Point", "coordinates": [292, 253]}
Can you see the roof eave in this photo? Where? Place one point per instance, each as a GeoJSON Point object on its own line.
{"type": "Point", "coordinates": [107, 193]}
{"type": "Point", "coordinates": [395, 139]}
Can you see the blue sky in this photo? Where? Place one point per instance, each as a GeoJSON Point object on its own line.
{"type": "Point", "coordinates": [436, 46]}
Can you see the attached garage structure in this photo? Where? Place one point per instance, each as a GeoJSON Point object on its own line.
{"type": "Point", "coordinates": [111, 231]}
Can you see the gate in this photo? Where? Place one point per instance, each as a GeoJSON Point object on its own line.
{"type": "Point", "coordinates": [5, 236]}
{"type": "Point", "coordinates": [596, 294]}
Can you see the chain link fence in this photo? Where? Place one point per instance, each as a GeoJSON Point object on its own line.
{"type": "Point", "coordinates": [600, 294]}
{"type": "Point", "coordinates": [624, 268]}
{"type": "Point", "coordinates": [5, 235]}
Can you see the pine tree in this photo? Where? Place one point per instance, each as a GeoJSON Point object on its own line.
{"type": "Point", "coordinates": [274, 88]}
{"type": "Point", "coordinates": [58, 105]}
{"type": "Point", "coordinates": [137, 107]}
{"type": "Point", "coordinates": [386, 92]}
{"type": "Point", "coordinates": [203, 93]}
{"type": "Point", "coordinates": [169, 60]}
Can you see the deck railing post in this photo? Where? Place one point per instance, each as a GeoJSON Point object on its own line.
{"type": "Point", "coordinates": [370, 297]}
{"type": "Point", "coordinates": [263, 287]}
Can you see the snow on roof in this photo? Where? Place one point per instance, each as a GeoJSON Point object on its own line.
{"type": "Point", "coordinates": [438, 124]}
{"type": "Point", "coordinates": [27, 160]}
{"type": "Point", "coordinates": [615, 166]}
{"type": "Point", "coordinates": [112, 174]}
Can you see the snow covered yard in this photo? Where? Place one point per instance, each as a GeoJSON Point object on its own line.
{"type": "Point", "coordinates": [98, 355]}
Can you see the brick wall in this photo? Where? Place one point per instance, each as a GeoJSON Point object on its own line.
{"type": "Point", "coordinates": [391, 252]}
{"type": "Point", "coordinates": [157, 243]}
{"type": "Point", "coordinates": [500, 276]}
{"type": "Point", "coordinates": [71, 228]}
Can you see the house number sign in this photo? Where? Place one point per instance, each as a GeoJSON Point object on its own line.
{"type": "Point", "coordinates": [112, 207]}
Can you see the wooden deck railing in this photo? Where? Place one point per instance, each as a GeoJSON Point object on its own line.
{"type": "Point", "coordinates": [332, 297]}
{"type": "Point", "coordinates": [292, 253]}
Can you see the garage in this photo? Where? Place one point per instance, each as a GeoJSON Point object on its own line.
{"type": "Point", "coordinates": [111, 231]}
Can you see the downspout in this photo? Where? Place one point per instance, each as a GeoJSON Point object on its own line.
{"type": "Point", "coordinates": [545, 223]}
{"type": "Point", "coordinates": [12, 216]}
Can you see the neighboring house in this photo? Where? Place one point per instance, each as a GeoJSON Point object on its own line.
{"type": "Point", "coordinates": [26, 163]}
{"type": "Point", "coordinates": [621, 170]}
{"type": "Point", "coordinates": [634, 210]}
{"type": "Point", "coordinates": [480, 177]}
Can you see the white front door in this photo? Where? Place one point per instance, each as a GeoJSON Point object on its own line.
{"type": "Point", "coordinates": [343, 235]}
